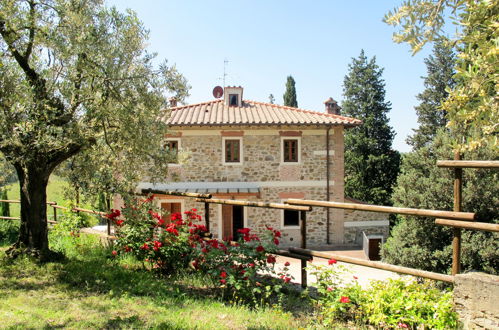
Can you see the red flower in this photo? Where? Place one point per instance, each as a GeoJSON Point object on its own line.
{"type": "Point", "coordinates": [244, 231]}
{"type": "Point", "coordinates": [194, 210]}
{"type": "Point", "coordinates": [355, 278]}
{"type": "Point", "coordinates": [276, 241]}
{"type": "Point", "coordinates": [277, 233]}
{"type": "Point", "coordinates": [145, 247]}
{"type": "Point", "coordinates": [119, 223]}
{"type": "Point", "coordinates": [115, 253]}
{"type": "Point", "coordinates": [271, 259]}
{"type": "Point", "coordinates": [287, 264]}
{"type": "Point", "coordinates": [329, 288]}
{"type": "Point", "coordinates": [223, 274]}
{"type": "Point", "coordinates": [332, 261]}
{"type": "Point", "coordinates": [251, 265]}
{"type": "Point", "coordinates": [223, 281]}
{"type": "Point", "coordinates": [157, 245]}
{"type": "Point", "coordinates": [287, 279]}
{"type": "Point", "coordinates": [260, 248]}
{"type": "Point", "coordinates": [402, 325]}
{"type": "Point", "coordinates": [127, 248]}
{"type": "Point", "coordinates": [204, 250]}
{"type": "Point", "coordinates": [344, 299]}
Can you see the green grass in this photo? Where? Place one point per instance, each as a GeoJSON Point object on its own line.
{"type": "Point", "coordinates": [92, 290]}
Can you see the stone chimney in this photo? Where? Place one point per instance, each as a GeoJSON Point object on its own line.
{"type": "Point", "coordinates": [233, 96]}
{"type": "Point", "coordinates": [332, 107]}
{"type": "Point", "coordinates": [173, 101]}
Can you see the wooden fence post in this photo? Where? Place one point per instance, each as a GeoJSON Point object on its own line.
{"type": "Point", "coordinates": [456, 240]}
{"type": "Point", "coordinates": [207, 216]}
{"type": "Point", "coordinates": [55, 211]}
{"type": "Point", "coordinates": [303, 263]}
{"type": "Point", "coordinates": [303, 218]}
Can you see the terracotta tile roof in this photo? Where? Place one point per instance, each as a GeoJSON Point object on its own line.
{"type": "Point", "coordinates": [216, 113]}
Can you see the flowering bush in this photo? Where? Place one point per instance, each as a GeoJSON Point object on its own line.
{"type": "Point", "coordinates": [243, 270]}
{"type": "Point", "coordinates": [387, 304]}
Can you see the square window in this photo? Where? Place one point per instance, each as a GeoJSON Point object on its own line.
{"type": "Point", "coordinates": [232, 151]}
{"type": "Point", "coordinates": [290, 151]}
{"type": "Point", "coordinates": [291, 218]}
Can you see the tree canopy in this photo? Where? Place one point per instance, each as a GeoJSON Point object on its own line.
{"type": "Point", "coordinates": [290, 93]}
{"type": "Point", "coordinates": [75, 75]}
{"type": "Point", "coordinates": [472, 105]}
{"type": "Point", "coordinates": [371, 165]}
{"type": "Point", "coordinates": [439, 79]}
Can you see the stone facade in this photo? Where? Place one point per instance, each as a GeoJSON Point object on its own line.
{"type": "Point", "coordinates": [201, 159]}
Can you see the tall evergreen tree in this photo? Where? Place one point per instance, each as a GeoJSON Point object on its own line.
{"type": "Point", "coordinates": [290, 94]}
{"type": "Point", "coordinates": [371, 165]}
{"type": "Point", "coordinates": [440, 69]}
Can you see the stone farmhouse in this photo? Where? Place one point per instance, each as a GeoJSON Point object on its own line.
{"type": "Point", "coordinates": [241, 149]}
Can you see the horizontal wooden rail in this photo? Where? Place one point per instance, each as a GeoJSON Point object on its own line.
{"type": "Point", "coordinates": [256, 204]}
{"type": "Point", "coordinates": [88, 211]}
{"type": "Point", "coordinates": [18, 201]}
{"type": "Point", "coordinates": [386, 209]}
{"type": "Point", "coordinates": [10, 218]}
{"type": "Point", "coordinates": [468, 163]}
{"type": "Point", "coordinates": [175, 193]}
{"type": "Point", "coordinates": [468, 225]}
{"type": "Point", "coordinates": [375, 264]}
{"type": "Point", "coordinates": [286, 253]}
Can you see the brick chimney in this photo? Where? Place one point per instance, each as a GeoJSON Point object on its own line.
{"type": "Point", "coordinates": [173, 101]}
{"type": "Point", "coordinates": [332, 107]}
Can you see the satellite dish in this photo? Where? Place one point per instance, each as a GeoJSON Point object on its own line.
{"type": "Point", "coordinates": [218, 92]}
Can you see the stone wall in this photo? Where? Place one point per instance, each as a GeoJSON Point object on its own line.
{"type": "Point", "coordinates": [371, 223]}
{"type": "Point", "coordinates": [476, 300]}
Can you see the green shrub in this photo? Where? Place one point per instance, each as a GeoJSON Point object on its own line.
{"type": "Point", "coordinates": [9, 231]}
{"type": "Point", "coordinates": [397, 303]}
{"type": "Point", "coordinates": [181, 244]}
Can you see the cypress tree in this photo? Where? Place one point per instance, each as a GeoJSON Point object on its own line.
{"type": "Point", "coordinates": [440, 69]}
{"type": "Point", "coordinates": [290, 94]}
{"type": "Point", "coordinates": [371, 165]}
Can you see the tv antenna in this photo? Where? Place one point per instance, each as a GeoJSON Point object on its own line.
{"type": "Point", "coordinates": [226, 61]}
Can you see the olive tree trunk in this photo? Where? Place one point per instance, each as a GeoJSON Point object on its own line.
{"type": "Point", "coordinates": [33, 230]}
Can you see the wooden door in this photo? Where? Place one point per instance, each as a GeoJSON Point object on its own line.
{"type": "Point", "coordinates": [170, 208]}
{"type": "Point", "coordinates": [226, 221]}
{"type": "Point", "coordinates": [374, 248]}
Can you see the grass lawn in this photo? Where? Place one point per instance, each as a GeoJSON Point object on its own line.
{"type": "Point", "coordinates": [55, 193]}
{"type": "Point", "coordinates": [91, 290]}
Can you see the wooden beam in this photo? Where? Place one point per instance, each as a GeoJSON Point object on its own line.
{"type": "Point", "coordinates": [9, 218]}
{"type": "Point", "coordinates": [175, 193]}
{"type": "Point", "coordinates": [376, 264]}
{"type": "Point", "coordinates": [468, 163]}
{"type": "Point", "coordinates": [468, 225]}
{"type": "Point", "coordinates": [386, 209]}
{"type": "Point", "coordinates": [256, 204]}
{"type": "Point", "coordinates": [88, 211]}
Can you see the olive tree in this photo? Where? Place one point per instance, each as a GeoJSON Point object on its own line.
{"type": "Point", "coordinates": [74, 75]}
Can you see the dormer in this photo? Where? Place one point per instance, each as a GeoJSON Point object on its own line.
{"type": "Point", "coordinates": [233, 96]}
{"type": "Point", "coordinates": [332, 107]}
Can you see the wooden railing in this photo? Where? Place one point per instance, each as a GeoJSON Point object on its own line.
{"type": "Point", "coordinates": [455, 219]}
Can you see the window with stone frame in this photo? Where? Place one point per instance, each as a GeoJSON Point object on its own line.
{"type": "Point", "coordinates": [291, 218]}
{"type": "Point", "coordinates": [290, 152]}
{"type": "Point", "coordinates": [232, 151]}
{"type": "Point", "coordinates": [172, 147]}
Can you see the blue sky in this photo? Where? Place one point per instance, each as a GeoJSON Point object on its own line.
{"type": "Point", "coordinates": [265, 41]}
